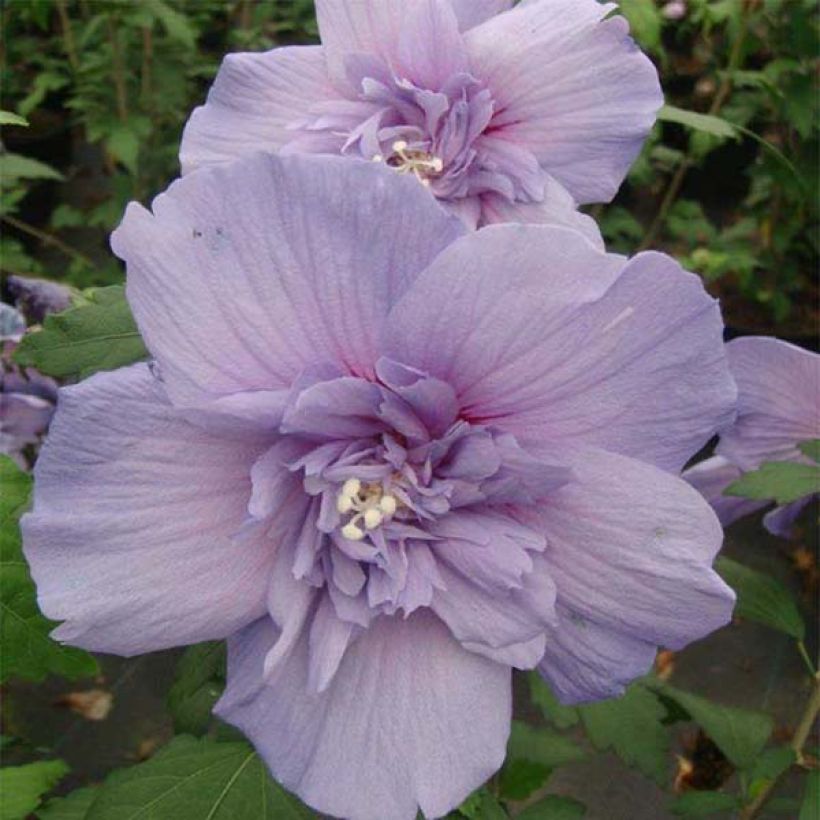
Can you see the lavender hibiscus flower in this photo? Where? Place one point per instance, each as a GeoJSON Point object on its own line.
{"type": "Point", "coordinates": [388, 459]}
{"type": "Point", "coordinates": [778, 408]}
{"type": "Point", "coordinates": [497, 110]}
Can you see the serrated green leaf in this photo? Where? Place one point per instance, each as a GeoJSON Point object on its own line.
{"type": "Point", "coordinates": [22, 787]}
{"type": "Point", "coordinates": [9, 118]}
{"type": "Point", "coordinates": [782, 481]}
{"type": "Point", "coordinates": [703, 804]}
{"type": "Point", "coordinates": [200, 679]}
{"type": "Point", "coordinates": [562, 717]}
{"type": "Point", "coordinates": [192, 779]}
{"type": "Point", "coordinates": [553, 807]}
{"type": "Point", "coordinates": [632, 727]}
{"type": "Point", "coordinates": [26, 650]}
{"type": "Point", "coordinates": [16, 166]}
{"type": "Point", "coordinates": [99, 334]}
{"type": "Point", "coordinates": [706, 123]}
{"type": "Point", "coordinates": [74, 806]}
{"type": "Point", "coordinates": [810, 808]}
{"type": "Point", "coordinates": [739, 733]}
{"type": "Point", "coordinates": [761, 598]}
{"type": "Point", "coordinates": [811, 449]}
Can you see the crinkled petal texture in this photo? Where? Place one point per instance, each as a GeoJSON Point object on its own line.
{"type": "Point", "coordinates": [252, 102]}
{"type": "Point", "coordinates": [778, 401]}
{"type": "Point", "coordinates": [395, 459]}
{"type": "Point", "coordinates": [412, 719]}
{"type": "Point", "coordinates": [629, 358]}
{"type": "Point", "coordinates": [131, 536]}
{"type": "Point", "coordinates": [571, 87]}
{"type": "Point", "coordinates": [491, 107]}
{"type": "Point", "coordinates": [242, 278]}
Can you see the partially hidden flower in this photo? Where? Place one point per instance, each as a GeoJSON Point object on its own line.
{"type": "Point", "coordinates": [27, 397]}
{"type": "Point", "coordinates": [389, 459]}
{"type": "Point", "coordinates": [496, 109]}
{"type": "Point", "coordinates": [778, 409]}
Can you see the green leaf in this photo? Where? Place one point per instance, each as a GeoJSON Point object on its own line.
{"type": "Point", "coordinates": [531, 755]}
{"type": "Point", "coordinates": [22, 787]}
{"type": "Point", "coordinates": [26, 650]}
{"type": "Point", "coordinates": [740, 734]}
{"type": "Point", "coordinates": [706, 123]}
{"type": "Point", "coordinates": [702, 804]}
{"type": "Point", "coordinates": [481, 805]}
{"type": "Point", "coordinates": [192, 779]}
{"type": "Point", "coordinates": [783, 481]}
{"type": "Point", "coordinates": [632, 727]}
{"type": "Point", "coordinates": [200, 679]}
{"type": "Point", "coordinates": [74, 806]}
{"type": "Point", "coordinates": [810, 809]}
{"type": "Point", "coordinates": [541, 746]}
{"type": "Point", "coordinates": [9, 118]}
{"type": "Point", "coordinates": [762, 599]}
{"type": "Point", "coordinates": [16, 166]}
{"type": "Point", "coordinates": [553, 807]}
{"type": "Point", "coordinates": [175, 24]}
{"type": "Point", "coordinates": [562, 717]}
{"type": "Point", "coordinates": [811, 449]}
{"type": "Point", "coordinates": [645, 21]}
{"type": "Point", "coordinates": [124, 145]}
{"type": "Point", "coordinates": [99, 334]}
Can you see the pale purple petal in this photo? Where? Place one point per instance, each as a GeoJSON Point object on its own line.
{"type": "Point", "coordinates": [131, 538]}
{"type": "Point", "coordinates": [420, 40]}
{"type": "Point", "coordinates": [586, 122]}
{"type": "Point", "coordinates": [778, 401]}
{"type": "Point", "coordinates": [631, 549]}
{"type": "Point", "coordinates": [510, 318]}
{"type": "Point", "coordinates": [557, 208]}
{"type": "Point", "coordinates": [253, 100]}
{"type": "Point", "coordinates": [472, 12]}
{"type": "Point", "coordinates": [246, 274]}
{"type": "Point", "coordinates": [781, 520]}
{"type": "Point", "coordinates": [411, 720]}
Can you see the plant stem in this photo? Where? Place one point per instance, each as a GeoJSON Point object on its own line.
{"type": "Point", "coordinates": [801, 648]}
{"type": "Point", "coordinates": [688, 161]}
{"type": "Point", "coordinates": [147, 66]}
{"type": "Point", "coordinates": [118, 70]}
{"type": "Point", "coordinates": [47, 239]}
{"type": "Point", "coordinates": [801, 735]}
{"type": "Point", "coordinates": [68, 36]}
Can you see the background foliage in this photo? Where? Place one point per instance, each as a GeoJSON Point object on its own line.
{"type": "Point", "coordinates": [726, 182]}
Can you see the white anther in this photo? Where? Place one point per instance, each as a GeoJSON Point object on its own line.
{"type": "Point", "coordinates": [351, 487]}
{"type": "Point", "coordinates": [399, 146]}
{"type": "Point", "coordinates": [352, 532]}
{"type": "Point", "coordinates": [377, 158]}
{"type": "Point", "coordinates": [372, 518]}
{"type": "Point", "coordinates": [437, 164]}
{"type": "Point", "coordinates": [344, 503]}
{"type": "Point", "coordinates": [387, 504]}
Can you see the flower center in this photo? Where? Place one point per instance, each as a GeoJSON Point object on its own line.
{"type": "Point", "coordinates": [368, 505]}
{"type": "Point", "coordinates": [420, 164]}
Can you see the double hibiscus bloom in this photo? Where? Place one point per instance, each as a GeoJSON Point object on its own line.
{"type": "Point", "coordinates": [388, 457]}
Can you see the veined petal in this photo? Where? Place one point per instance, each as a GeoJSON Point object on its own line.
{"type": "Point", "coordinates": [132, 538]}
{"type": "Point", "coordinates": [472, 12]}
{"type": "Point", "coordinates": [253, 100]}
{"type": "Point", "coordinates": [571, 87]}
{"type": "Point", "coordinates": [410, 720]}
{"type": "Point", "coordinates": [246, 274]}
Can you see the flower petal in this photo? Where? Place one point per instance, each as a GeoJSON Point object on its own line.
{"type": "Point", "coordinates": [472, 12]}
{"type": "Point", "coordinates": [419, 40]}
{"type": "Point", "coordinates": [539, 335]}
{"type": "Point", "coordinates": [410, 719]}
{"type": "Point", "coordinates": [778, 401]}
{"type": "Point", "coordinates": [631, 549]}
{"type": "Point", "coordinates": [131, 539]}
{"type": "Point", "coordinates": [245, 275]}
{"type": "Point", "coordinates": [251, 103]}
{"type": "Point", "coordinates": [571, 87]}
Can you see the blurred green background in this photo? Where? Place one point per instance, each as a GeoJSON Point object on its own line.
{"type": "Point", "coordinates": [108, 84]}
